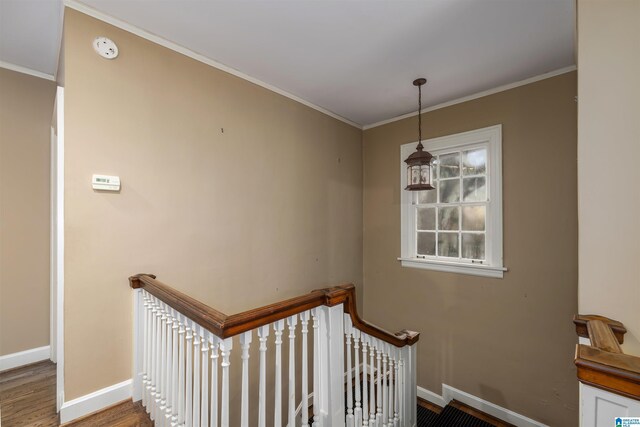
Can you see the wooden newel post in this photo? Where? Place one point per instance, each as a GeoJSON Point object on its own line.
{"type": "Point", "coordinates": [134, 281]}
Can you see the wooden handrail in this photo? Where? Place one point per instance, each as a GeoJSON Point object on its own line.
{"type": "Point", "coordinates": [603, 364]}
{"type": "Point", "coordinates": [581, 325]}
{"type": "Point", "coordinates": [225, 326]}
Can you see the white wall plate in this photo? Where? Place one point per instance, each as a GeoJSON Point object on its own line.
{"type": "Point", "coordinates": [105, 182]}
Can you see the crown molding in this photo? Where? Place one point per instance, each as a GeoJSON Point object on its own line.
{"type": "Point", "coordinates": [74, 4]}
{"type": "Point", "coordinates": [476, 95]}
{"type": "Point", "coordinates": [25, 70]}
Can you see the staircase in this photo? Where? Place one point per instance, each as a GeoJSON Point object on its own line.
{"type": "Point", "coordinates": [185, 374]}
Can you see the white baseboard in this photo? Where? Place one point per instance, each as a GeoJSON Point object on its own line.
{"type": "Point", "coordinates": [26, 357]}
{"type": "Point", "coordinates": [95, 401]}
{"type": "Point", "coordinates": [449, 393]}
{"type": "Point", "coordinates": [432, 397]}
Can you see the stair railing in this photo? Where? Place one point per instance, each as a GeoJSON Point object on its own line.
{"type": "Point", "coordinates": [609, 378]}
{"type": "Point", "coordinates": [361, 374]}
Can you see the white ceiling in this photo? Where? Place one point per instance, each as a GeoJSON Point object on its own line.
{"type": "Point", "coordinates": [354, 58]}
{"type": "Point", "coordinates": [30, 34]}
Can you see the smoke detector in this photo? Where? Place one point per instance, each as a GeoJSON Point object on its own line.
{"type": "Point", "coordinates": [105, 47]}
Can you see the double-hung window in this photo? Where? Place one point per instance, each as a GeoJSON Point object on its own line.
{"type": "Point", "coordinates": [456, 227]}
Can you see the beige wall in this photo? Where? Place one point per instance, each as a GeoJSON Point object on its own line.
{"type": "Point", "coordinates": [509, 341]}
{"type": "Point", "coordinates": [608, 153]}
{"type": "Point", "coordinates": [26, 106]}
{"type": "Point", "coordinates": [269, 209]}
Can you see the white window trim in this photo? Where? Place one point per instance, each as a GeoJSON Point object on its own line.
{"type": "Point", "coordinates": [494, 267]}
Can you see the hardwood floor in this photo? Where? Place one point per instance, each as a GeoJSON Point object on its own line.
{"type": "Point", "coordinates": [430, 406]}
{"type": "Point", "coordinates": [28, 395]}
{"type": "Point", "coordinates": [28, 398]}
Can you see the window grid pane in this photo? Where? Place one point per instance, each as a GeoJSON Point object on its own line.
{"type": "Point", "coordinates": [460, 183]}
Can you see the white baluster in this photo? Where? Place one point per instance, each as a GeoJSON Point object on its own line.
{"type": "Point", "coordinates": [169, 383]}
{"type": "Point", "coordinates": [181, 368]}
{"type": "Point", "coordinates": [372, 384]}
{"type": "Point", "coordinates": [278, 327]}
{"type": "Point", "coordinates": [145, 366]}
{"type": "Point", "coordinates": [365, 380]}
{"type": "Point", "coordinates": [401, 420]}
{"type": "Point", "coordinates": [225, 349]}
{"type": "Point", "coordinates": [204, 401]}
{"type": "Point", "coordinates": [245, 343]}
{"type": "Point", "coordinates": [304, 321]}
{"type": "Point", "coordinates": [188, 410]}
{"type": "Point", "coordinates": [163, 366]}
{"type": "Point", "coordinates": [391, 352]}
{"type": "Point", "coordinates": [356, 352]}
{"type": "Point", "coordinates": [379, 396]}
{"type": "Point", "coordinates": [385, 386]}
{"type": "Point", "coordinates": [292, 321]}
{"type": "Point", "coordinates": [196, 374]}
{"type": "Point", "coordinates": [263, 333]}
{"type": "Point", "coordinates": [214, 380]}
{"type": "Point", "coordinates": [348, 330]}
{"type": "Point", "coordinates": [150, 317]}
{"type": "Point", "coordinates": [158, 365]}
{"type": "Point", "coordinates": [396, 403]}
{"type": "Point", "coordinates": [316, 368]}
{"type": "Point", "coordinates": [174, 368]}
{"type": "Point", "coordinates": [151, 356]}
{"type": "Point", "coordinates": [152, 352]}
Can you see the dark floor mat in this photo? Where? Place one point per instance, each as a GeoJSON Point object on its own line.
{"type": "Point", "coordinates": [426, 418]}
{"type": "Point", "coordinates": [451, 416]}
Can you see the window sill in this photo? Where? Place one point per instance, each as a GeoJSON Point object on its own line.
{"type": "Point", "coordinates": [452, 267]}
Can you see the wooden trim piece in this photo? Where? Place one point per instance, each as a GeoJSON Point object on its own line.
{"type": "Point", "coordinates": [602, 337]}
{"type": "Point", "coordinates": [204, 315]}
{"type": "Point", "coordinates": [581, 326]}
{"type": "Point", "coordinates": [399, 339]}
{"type": "Point", "coordinates": [428, 405]}
{"type": "Point", "coordinates": [225, 326]}
{"type": "Point", "coordinates": [614, 372]}
{"type": "Point", "coordinates": [602, 364]}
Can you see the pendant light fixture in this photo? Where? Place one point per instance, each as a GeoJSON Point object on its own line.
{"type": "Point", "coordinates": [419, 162]}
